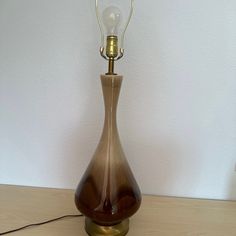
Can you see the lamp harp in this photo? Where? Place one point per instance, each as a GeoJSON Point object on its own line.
{"type": "Point", "coordinates": [112, 40]}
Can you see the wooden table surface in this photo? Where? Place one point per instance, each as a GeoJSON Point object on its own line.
{"type": "Point", "coordinates": [158, 216]}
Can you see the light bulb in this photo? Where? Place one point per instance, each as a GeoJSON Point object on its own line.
{"type": "Point", "coordinates": [111, 19]}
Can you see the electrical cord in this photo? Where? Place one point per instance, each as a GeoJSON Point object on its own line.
{"type": "Point", "coordinates": [41, 223]}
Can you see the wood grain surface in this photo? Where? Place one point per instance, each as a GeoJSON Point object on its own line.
{"type": "Point", "coordinates": [158, 216]}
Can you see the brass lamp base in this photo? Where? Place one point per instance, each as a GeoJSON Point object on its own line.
{"type": "Point", "coordinates": [94, 229]}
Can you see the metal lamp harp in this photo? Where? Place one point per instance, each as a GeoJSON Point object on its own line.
{"type": "Point", "coordinates": [110, 49]}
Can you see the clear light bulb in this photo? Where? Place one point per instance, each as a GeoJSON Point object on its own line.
{"type": "Point", "coordinates": [111, 19]}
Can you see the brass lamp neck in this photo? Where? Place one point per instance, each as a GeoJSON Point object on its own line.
{"type": "Point", "coordinates": [111, 64]}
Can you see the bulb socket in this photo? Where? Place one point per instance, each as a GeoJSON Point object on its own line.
{"type": "Point", "coordinates": [112, 46]}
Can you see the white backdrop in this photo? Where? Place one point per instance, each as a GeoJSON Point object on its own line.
{"type": "Point", "coordinates": [177, 113]}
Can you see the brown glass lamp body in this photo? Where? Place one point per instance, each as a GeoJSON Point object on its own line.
{"type": "Point", "coordinates": [108, 193]}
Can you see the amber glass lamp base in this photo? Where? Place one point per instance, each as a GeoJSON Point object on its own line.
{"type": "Point", "coordinates": [108, 193]}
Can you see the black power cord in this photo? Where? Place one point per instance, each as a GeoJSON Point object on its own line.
{"type": "Point", "coordinates": [41, 223]}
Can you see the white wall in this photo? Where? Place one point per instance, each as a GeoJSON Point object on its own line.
{"type": "Point", "coordinates": [177, 113]}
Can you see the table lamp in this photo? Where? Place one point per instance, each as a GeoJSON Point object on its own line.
{"type": "Point", "coordinates": [108, 194]}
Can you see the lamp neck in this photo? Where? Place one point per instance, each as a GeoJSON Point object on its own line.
{"type": "Point", "coordinates": [111, 64]}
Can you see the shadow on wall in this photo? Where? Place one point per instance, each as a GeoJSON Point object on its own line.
{"type": "Point", "coordinates": [167, 164]}
{"type": "Point", "coordinates": [232, 190]}
{"type": "Point", "coordinates": [79, 143]}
